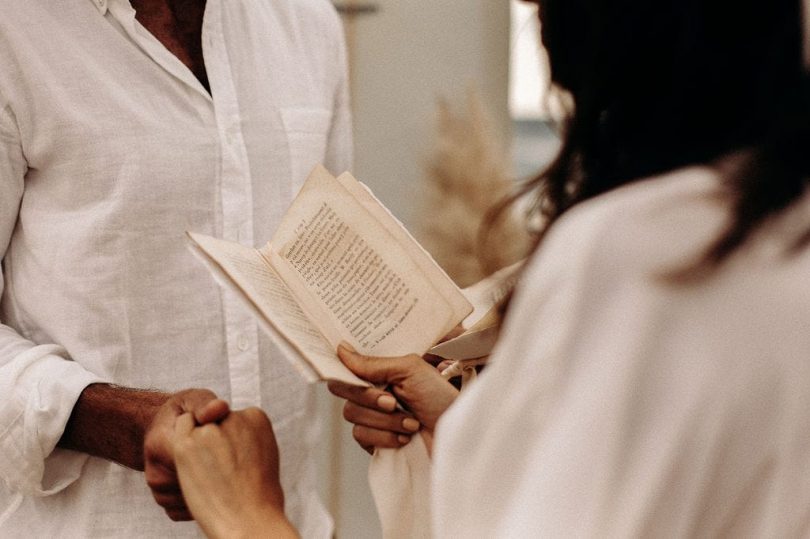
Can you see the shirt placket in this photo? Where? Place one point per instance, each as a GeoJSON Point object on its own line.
{"type": "Point", "coordinates": [241, 331]}
{"type": "Point", "coordinates": [234, 217]}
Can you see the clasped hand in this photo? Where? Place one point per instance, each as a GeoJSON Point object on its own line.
{"type": "Point", "coordinates": [227, 462]}
{"type": "Point", "coordinates": [217, 466]}
{"type": "Point", "coordinates": [158, 451]}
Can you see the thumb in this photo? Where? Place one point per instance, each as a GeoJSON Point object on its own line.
{"type": "Point", "coordinates": [195, 401]}
{"type": "Point", "coordinates": [212, 412]}
{"type": "Point", "coordinates": [377, 370]}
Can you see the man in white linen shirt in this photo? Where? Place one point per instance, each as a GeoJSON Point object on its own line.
{"type": "Point", "coordinates": [122, 125]}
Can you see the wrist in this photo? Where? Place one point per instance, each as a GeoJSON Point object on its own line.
{"type": "Point", "coordinates": [110, 422]}
{"type": "Point", "coordinates": [252, 522]}
{"type": "Point", "coordinates": [270, 522]}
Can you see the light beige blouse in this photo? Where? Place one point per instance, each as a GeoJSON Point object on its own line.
{"type": "Point", "coordinates": [617, 405]}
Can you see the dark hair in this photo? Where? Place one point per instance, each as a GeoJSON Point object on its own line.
{"type": "Point", "coordinates": [659, 85]}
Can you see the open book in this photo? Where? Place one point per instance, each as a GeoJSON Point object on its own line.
{"type": "Point", "coordinates": [340, 267]}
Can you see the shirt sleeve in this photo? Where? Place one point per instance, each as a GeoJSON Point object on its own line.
{"type": "Point", "coordinates": [339, 146]}
{"type": "Point", "coordinates": [39, 384]}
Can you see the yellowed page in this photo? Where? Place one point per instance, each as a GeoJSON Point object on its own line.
{"type": "Point", "coordinates": [356, 280]}
{"type": "Point", "coordinates": [251, 278]}
{"type": "Point", "coordinates": [428, 266]}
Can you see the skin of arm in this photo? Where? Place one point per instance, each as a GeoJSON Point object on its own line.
{"type": "Point", "coordinates": [134, 428]}
{"type": "Point", "coordinates": [411, 380]}
{"type": "Point", "coordinates": [230, 475]}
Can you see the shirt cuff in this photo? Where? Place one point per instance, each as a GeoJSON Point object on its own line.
{"type": "Point", "coordinates": [33, 415]}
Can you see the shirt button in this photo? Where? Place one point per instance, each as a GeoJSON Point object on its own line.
{"type": "Point", "coordinates": [243, 343]}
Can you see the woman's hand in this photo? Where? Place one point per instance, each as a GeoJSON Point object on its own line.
{"type": "Point", "coordinates": [414, 382]}
{"type": "Point", "coordinates": [229, 474]}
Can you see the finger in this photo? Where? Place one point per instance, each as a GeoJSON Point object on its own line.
{"type": "Point", "coordinates": [378, 370]}
{"type": "Point", "coordinates": [212, 412]}
{"type": "Point", "coordinates": [258, 423]}
{"type": "Point", "coordinates": [445, 363]}
{"type": "Point", "coordinates": [370, 397]}
{"type": "Point", "coordinates": [179, 515]}
{"type": "Point", "coordinates": [174, 504]}
{"type": "Point", "coordinates": [432, 359]}
{"type": "Point", "coordinates": [256, 416]}
{"type": "Point", "coordinates": [195, 399]}
{"type": "Point", "coordinates": [240, 422]}
{"type": "Point", "coordinates": [397, 423]}
{"type": "Point", "coordinates": [161, 479]}
{"type": "Point", "coordinates": [183, 444]}
{"type": "Point", "coordinates": [170, 502]}
{"type": "Point", "coordinates": [184, 425]}
{"type": "Point", "coordinates": [368, 437]}
{"type": "Point", "coordinates": [164, 488]}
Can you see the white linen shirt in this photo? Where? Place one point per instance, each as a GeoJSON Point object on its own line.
{"type": "Point", "coordinates": [110, 149]}
{"type": "Point", "coordinates": [618, 405]}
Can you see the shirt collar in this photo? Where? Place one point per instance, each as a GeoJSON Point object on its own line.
{"type": "Point", "coordinates": [101, 5]}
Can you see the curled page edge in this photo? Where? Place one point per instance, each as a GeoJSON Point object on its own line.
{"type": "Point", "coordinates": [470, 345]}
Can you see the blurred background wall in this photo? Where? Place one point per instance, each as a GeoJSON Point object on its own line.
{"type": "Point", "coordinates": [404, 56]}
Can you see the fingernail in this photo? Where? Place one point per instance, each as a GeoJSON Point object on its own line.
{"type": "Point", "coordinates": [387, 402]}
{"type": "Point", "coordinates": [410, 424]}
{"type": "Point", "coordinates": [348, 347]}
{"type": "Point", "coordinates": [403, 439]}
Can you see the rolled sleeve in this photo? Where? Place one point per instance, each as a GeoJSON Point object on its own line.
{"type": "Point", "coordinates": [40, 388]}
{"type": "Point", "coordinates": [38, 383]}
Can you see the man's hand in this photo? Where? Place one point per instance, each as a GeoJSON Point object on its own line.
{"type": "Point", "coordinates": [230, 475]}
{"type": "Point", "coordinates": [113, 423]}
{"type": "Point", "coordinates": [412, 380]}
{"type": "Point", "coordinates": [203, 407]}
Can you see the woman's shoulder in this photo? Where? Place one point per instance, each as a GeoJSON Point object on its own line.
{"type": "Point", "coordinates": [635, 237]}
{"type": "Point", "coordinates": [667, 223]}
{"type": "Point", "coordinates": [650, 224]}
{"type": "Point", "coordinates": [647, 214]}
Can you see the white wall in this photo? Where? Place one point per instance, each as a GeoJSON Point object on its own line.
{"type": "Point", "coordinates": [404, 58]}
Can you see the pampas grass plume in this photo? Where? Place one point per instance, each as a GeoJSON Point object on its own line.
{"type": "Point", "coordinates": [468, 173]}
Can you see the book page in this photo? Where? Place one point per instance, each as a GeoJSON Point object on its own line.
{"type": "Point", "coordinates": [443, 283]}
{"type": "Point", "coordinates": [472, 344]}
{"type": "Point", "coordinates": [354, 279]}
{"type": "Point", "coordinates": [278, 310]}
{"type": "Point", "coordinates": [487, 295]}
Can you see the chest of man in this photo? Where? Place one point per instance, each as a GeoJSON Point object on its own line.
{"type": "Point", "coordinates": [177, 24]}
{"type": "Point", "coordinates": [126, 150]}
{"type": "Point", "coordinates": [112, 109]}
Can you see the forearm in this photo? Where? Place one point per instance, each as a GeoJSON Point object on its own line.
{"type": "Point", "coordinates": [110, 421]}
